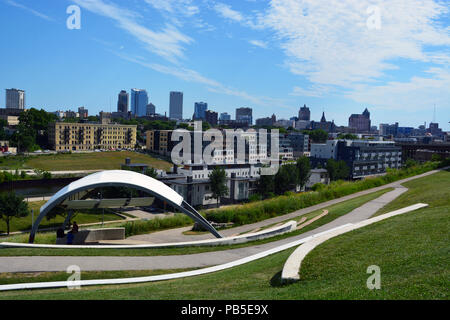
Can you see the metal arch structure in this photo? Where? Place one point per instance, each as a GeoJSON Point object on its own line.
{"type": "Point", "coordinates": [123, 178]}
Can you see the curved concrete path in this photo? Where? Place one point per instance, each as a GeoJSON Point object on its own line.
{"type": "Point", "coordinates": [291, 269]}
{"type": "Point", "coordinates": [92, 263]}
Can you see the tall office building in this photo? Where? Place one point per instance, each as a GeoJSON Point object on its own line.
{"type": "Point", "coordinates": [83, 113]}
{"type": "Point", "coordinates": [176, 105]}
{"type": "Point", "coordinates": [244, 115]}
{"type": "Point", "coordinates": [225, 116]}
{"type": "Point", "coordinates": [122, 102]}
{"type": "Point", "coordinates": [199, 110]}
{"type": "Point", "coordinates": [211, 117]}
{"type": "Point", "coordinates": [151, 109]}
{"type": "Point", "coordinates": [361, 122]}
{"type": "Point", "coordinates": [304, 113]}
{"type": "Point", "coordinates": [139, 102]}
{"type": "Point", "coordinates": [15, 99]}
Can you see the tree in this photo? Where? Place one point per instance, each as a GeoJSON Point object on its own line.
{"type": "Point", "coordinates": [347, 136]}
{"type": "Point", "coordinates": [12, 206]}
{"type": "Point", "coordinates": [286, 178]}
{"type": "Point", "coordinates": [337, 170]}
{"type": "Point", "coordinates": [151, 172]}
{"type": "Point", "coordinates": [303, 171]}
{"type": "Point", "coordinates": [265, 185]}
{"type": "Point", "coordinates": [317, 136]}
{"type": "Point", "coordinates": [217, 180]}
{"type": "Point", "coordinates": [410, 163]}
{"type": "Point", "coordinates": [436, 157]}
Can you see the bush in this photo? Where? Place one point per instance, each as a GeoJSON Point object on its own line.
{"type": "Point", "coordinates": [47, 175]}
{"type": "Point", "coordinates": [254, 197]}
{"type": "Point", "coordinates": [317, 187]}
{"type": "Point", "coordinates": [142, 227]}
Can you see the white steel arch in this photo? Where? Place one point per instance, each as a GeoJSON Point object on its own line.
{"type": "Point", "coordinates": [123, 178]}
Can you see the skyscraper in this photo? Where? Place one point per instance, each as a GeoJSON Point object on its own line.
{"type": "Point", "coordinates": [211, 117]}
{"type": "Point", "coordinates": [139, 102]}
{"type": "Point", "coordinates": [151, 109]}
{"type": "Point", "coordinates": [176, 105]}
{"type": "Point", "coordinates": [244, 115]}
{"type": "Point", "coordinates": [225, 116]}
{"type": "Point", "coordinates": [360, 121]}
{"type": "Point", "coordinates": [199, 110]}
{"type": "Point", "coordinates": [122, 102]}
{"type": "Point", "coordinates": [304, 113]}
{"type": "Point", "coordinates": [15, 99]}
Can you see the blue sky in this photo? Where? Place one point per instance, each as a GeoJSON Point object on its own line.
{"type": "Point", "coordinates": [337, 56]}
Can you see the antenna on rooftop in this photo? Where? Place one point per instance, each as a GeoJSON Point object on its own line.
{"type": "Point", "coordinates": [434, 114]}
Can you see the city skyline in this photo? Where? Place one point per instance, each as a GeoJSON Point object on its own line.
{"type": "Point", "coordinates": [399, 72]}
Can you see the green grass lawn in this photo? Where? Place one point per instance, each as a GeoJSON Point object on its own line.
{"type": "Point", "coordinates": [335, 211]}
{"type": "Point", "coordinates": [80, 161]}
{"type": "Point", "coordinates": [411, 250]}
{"type": "Point", "coordinates": [20, 224]}
{"type": "Point", "coordinates": [14, 278]}
{"type": "Point", "coordinates": [434, 190]}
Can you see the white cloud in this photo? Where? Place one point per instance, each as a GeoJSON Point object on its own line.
{"type": "Point", "coordinates": [193, 76]}
{"type": "Point", "coordinates": [32, 11]}
{"type": "Point", "coordinates": [415, 95]}
{"type": "Point", "coordinates": [167, 43]}
{"type": "Point", "coordinates": [312, 91]}
{"type": "Point", "coordinates": [259, 43]}
{"type": "Point", "coordinates": [329, 42]}
{"type": "Point", "coordinates": [225, 11]}
{"type": "Point", "coordinates": [185, 7]}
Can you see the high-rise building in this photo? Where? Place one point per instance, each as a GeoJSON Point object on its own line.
{"type": "Point", "coordinates": [361, 122]}
{"type": "Point", "coordinates": [83, 113]}
{"type": "Point", "coordinates": [151, 109]}
{"type": "Point", "coordinates": [211, 117]}
{"type": "Point", "coordinates": [225, 117]}
{"type": "Point", "coordinates": [15, 99]}
{"type": "Point", "coordinates": [388, 129]}
{"type": "Point", "coordinates": [304, 114]}
{"type": "Point", "coordinates": [176, 105]}
{"type": "Point", "coordinates": [122, 102]}
{"type": "Point", "coordinates": [139, 102]}
{"type": "Point", "coordinates": [244, 115]}
{"type": "Point", "coordinates": [199, 110]}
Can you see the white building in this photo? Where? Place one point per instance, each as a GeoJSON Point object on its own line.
{"type": "Point", "coordinates": [192, 182]}
{"type": "Point", "coordinates": [15, 99]}
{"type": "Point", "coordinates": [326, 150]}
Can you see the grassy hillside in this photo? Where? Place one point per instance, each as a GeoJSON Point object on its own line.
{"type": "Point", "coordinates": [411, 250]}
{"type": "Point", "coordinates": [81, 161]}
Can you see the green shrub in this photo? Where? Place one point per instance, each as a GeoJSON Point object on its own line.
{"type": "Point", "coordinates": [255, 197]}
{"type": "Point", "coordinates": [142, 227]}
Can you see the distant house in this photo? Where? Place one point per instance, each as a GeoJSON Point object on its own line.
{"type": "Point", "coordinates": [318, 176]}
{"type": "Point", "coordinates": [137, 167]}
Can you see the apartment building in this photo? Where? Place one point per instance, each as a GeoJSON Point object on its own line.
{"type": "Point", "coordinates": [364, 157]}
{"type": "Point", "coordinates": [90, 136]}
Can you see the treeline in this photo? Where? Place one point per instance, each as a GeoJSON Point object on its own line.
{"type": "Point", "coordinates": [6, 176]}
